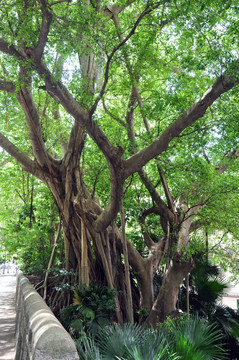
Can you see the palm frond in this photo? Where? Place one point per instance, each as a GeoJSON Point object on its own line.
{"type": "Point", "coordinates": [202, 337]}
{"type": "Point", "coordinates": [114, 340]}
{"type": "Point", "coordinates": [88, 349]}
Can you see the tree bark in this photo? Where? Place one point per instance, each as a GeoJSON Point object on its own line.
{"type": "Point", "coordinates": [165, 304]}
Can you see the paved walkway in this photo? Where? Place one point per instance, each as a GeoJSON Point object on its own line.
{"type": "Point", "coordinates": [7, 316]}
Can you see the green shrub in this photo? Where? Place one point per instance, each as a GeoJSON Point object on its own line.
{"type": "Point", "coordinates": [93, 309]}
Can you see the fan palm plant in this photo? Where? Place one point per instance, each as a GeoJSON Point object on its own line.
{"type": "Point", "coordinates": [189, 339]}
{"type": "Point", "coordinates": [135, 342]}
{"type": "Point", "coordinates": [227, 320]}
{"type": "Point", "coordinates": [206, 288]}
{"type": "Point", "coordinates": [195, 339]}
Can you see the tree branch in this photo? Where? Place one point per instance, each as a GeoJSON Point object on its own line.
{"type": "Point", "coordinates": [131, 73]}
{"type": "Point", "coordinates": [75, 145]}
{"type": "Point", "coordinates": [224, 164]}
{"type": "Point", "coordinates": [9, 49]}
{"type": "Point", "coordinates": [205, 156]}
{"type": "Point", "coordinates": [26, 101]}
{"type": "Point", "coordinates": [45, 28]}
{"type": "Point", "coordinates": [147, 239]}
{"type": "Point", "coordinates": [21, 157]}
{"type": "Point", "coordinates": [61, 94]}
{"type": "Point", "coordinates": [58, 2]}
{"type": "Point", "coordinates": [165, 211]}
{"type": "Point", "coordinates": [130, 119]}
{"type": "Point", "coordinates": [223, 84]}
{"type": "Point", "coordinates": [113, 154]}
{"type": "Point", "coordinates": [146, 11]}
{"type": "Point", "coordinates": [166, 190]}
{"type": "Point", "coordinates": [112, 115]}
{"type": "Point", "coordinates": [7, 86]}
{"type": "Point", "coordinates": [116, 191]}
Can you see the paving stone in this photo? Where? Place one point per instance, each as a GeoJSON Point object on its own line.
{"type": "Point", "coordinates": [7, 316]}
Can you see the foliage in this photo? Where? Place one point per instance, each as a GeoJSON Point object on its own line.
{"type": "Point", "coordinates": [207, 287]}
{"type": "Point", "coordinates": [189, 339]}
{"type": "Point", "coordinates": [93, 308]}
{"type": "Point", "coordinates": [27, 218]}
{"type": "Point", "coordinates": [227, 321]}
{"type": "Point", "coordinates": [99, 298]}
{"type": "Point", "coordinates": [128, 342]}
{"type": "Point", "coordinates": [196, 338]}
{"type": "Point", "coordinates": [206, 290]}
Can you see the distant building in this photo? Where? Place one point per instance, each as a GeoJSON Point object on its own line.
{"type": "Point", "coordinates": [231, 297]}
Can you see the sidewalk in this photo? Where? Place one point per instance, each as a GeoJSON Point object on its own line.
{"type": "Point", "coordinates": [7, 316]}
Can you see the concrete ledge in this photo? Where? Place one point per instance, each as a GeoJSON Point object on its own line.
{"type": "Point", "coordinates": [39, 335]}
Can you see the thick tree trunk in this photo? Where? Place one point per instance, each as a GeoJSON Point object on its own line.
{"type": "Point", "coordinates": [165, 304]}
{"type": "Point", "coordinates": [94, 257]}
{"type": "Point", "coordinates": [98, 256]}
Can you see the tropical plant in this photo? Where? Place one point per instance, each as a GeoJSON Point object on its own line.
{"type": "Point", "coordinates": [196, 339]}
{"type": "Point", "coordinates": [93, 309]}
{"type": "Point", "coordinates": [227, 321]}
{"type": "Point", "coordinates": [99, 298]}
{"type": "Point", "coordinates": [185, 339]}
{"type": "Point", "coordinates": [127, 343]}
{"type": "Point", "coordinates": [207, 286]}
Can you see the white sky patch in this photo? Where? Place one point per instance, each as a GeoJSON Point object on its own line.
{"type": "Point", "coordinates": [71, 66]}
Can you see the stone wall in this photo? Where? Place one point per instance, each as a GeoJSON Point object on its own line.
{"type": "Point", "coordinates": [39, 335]}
